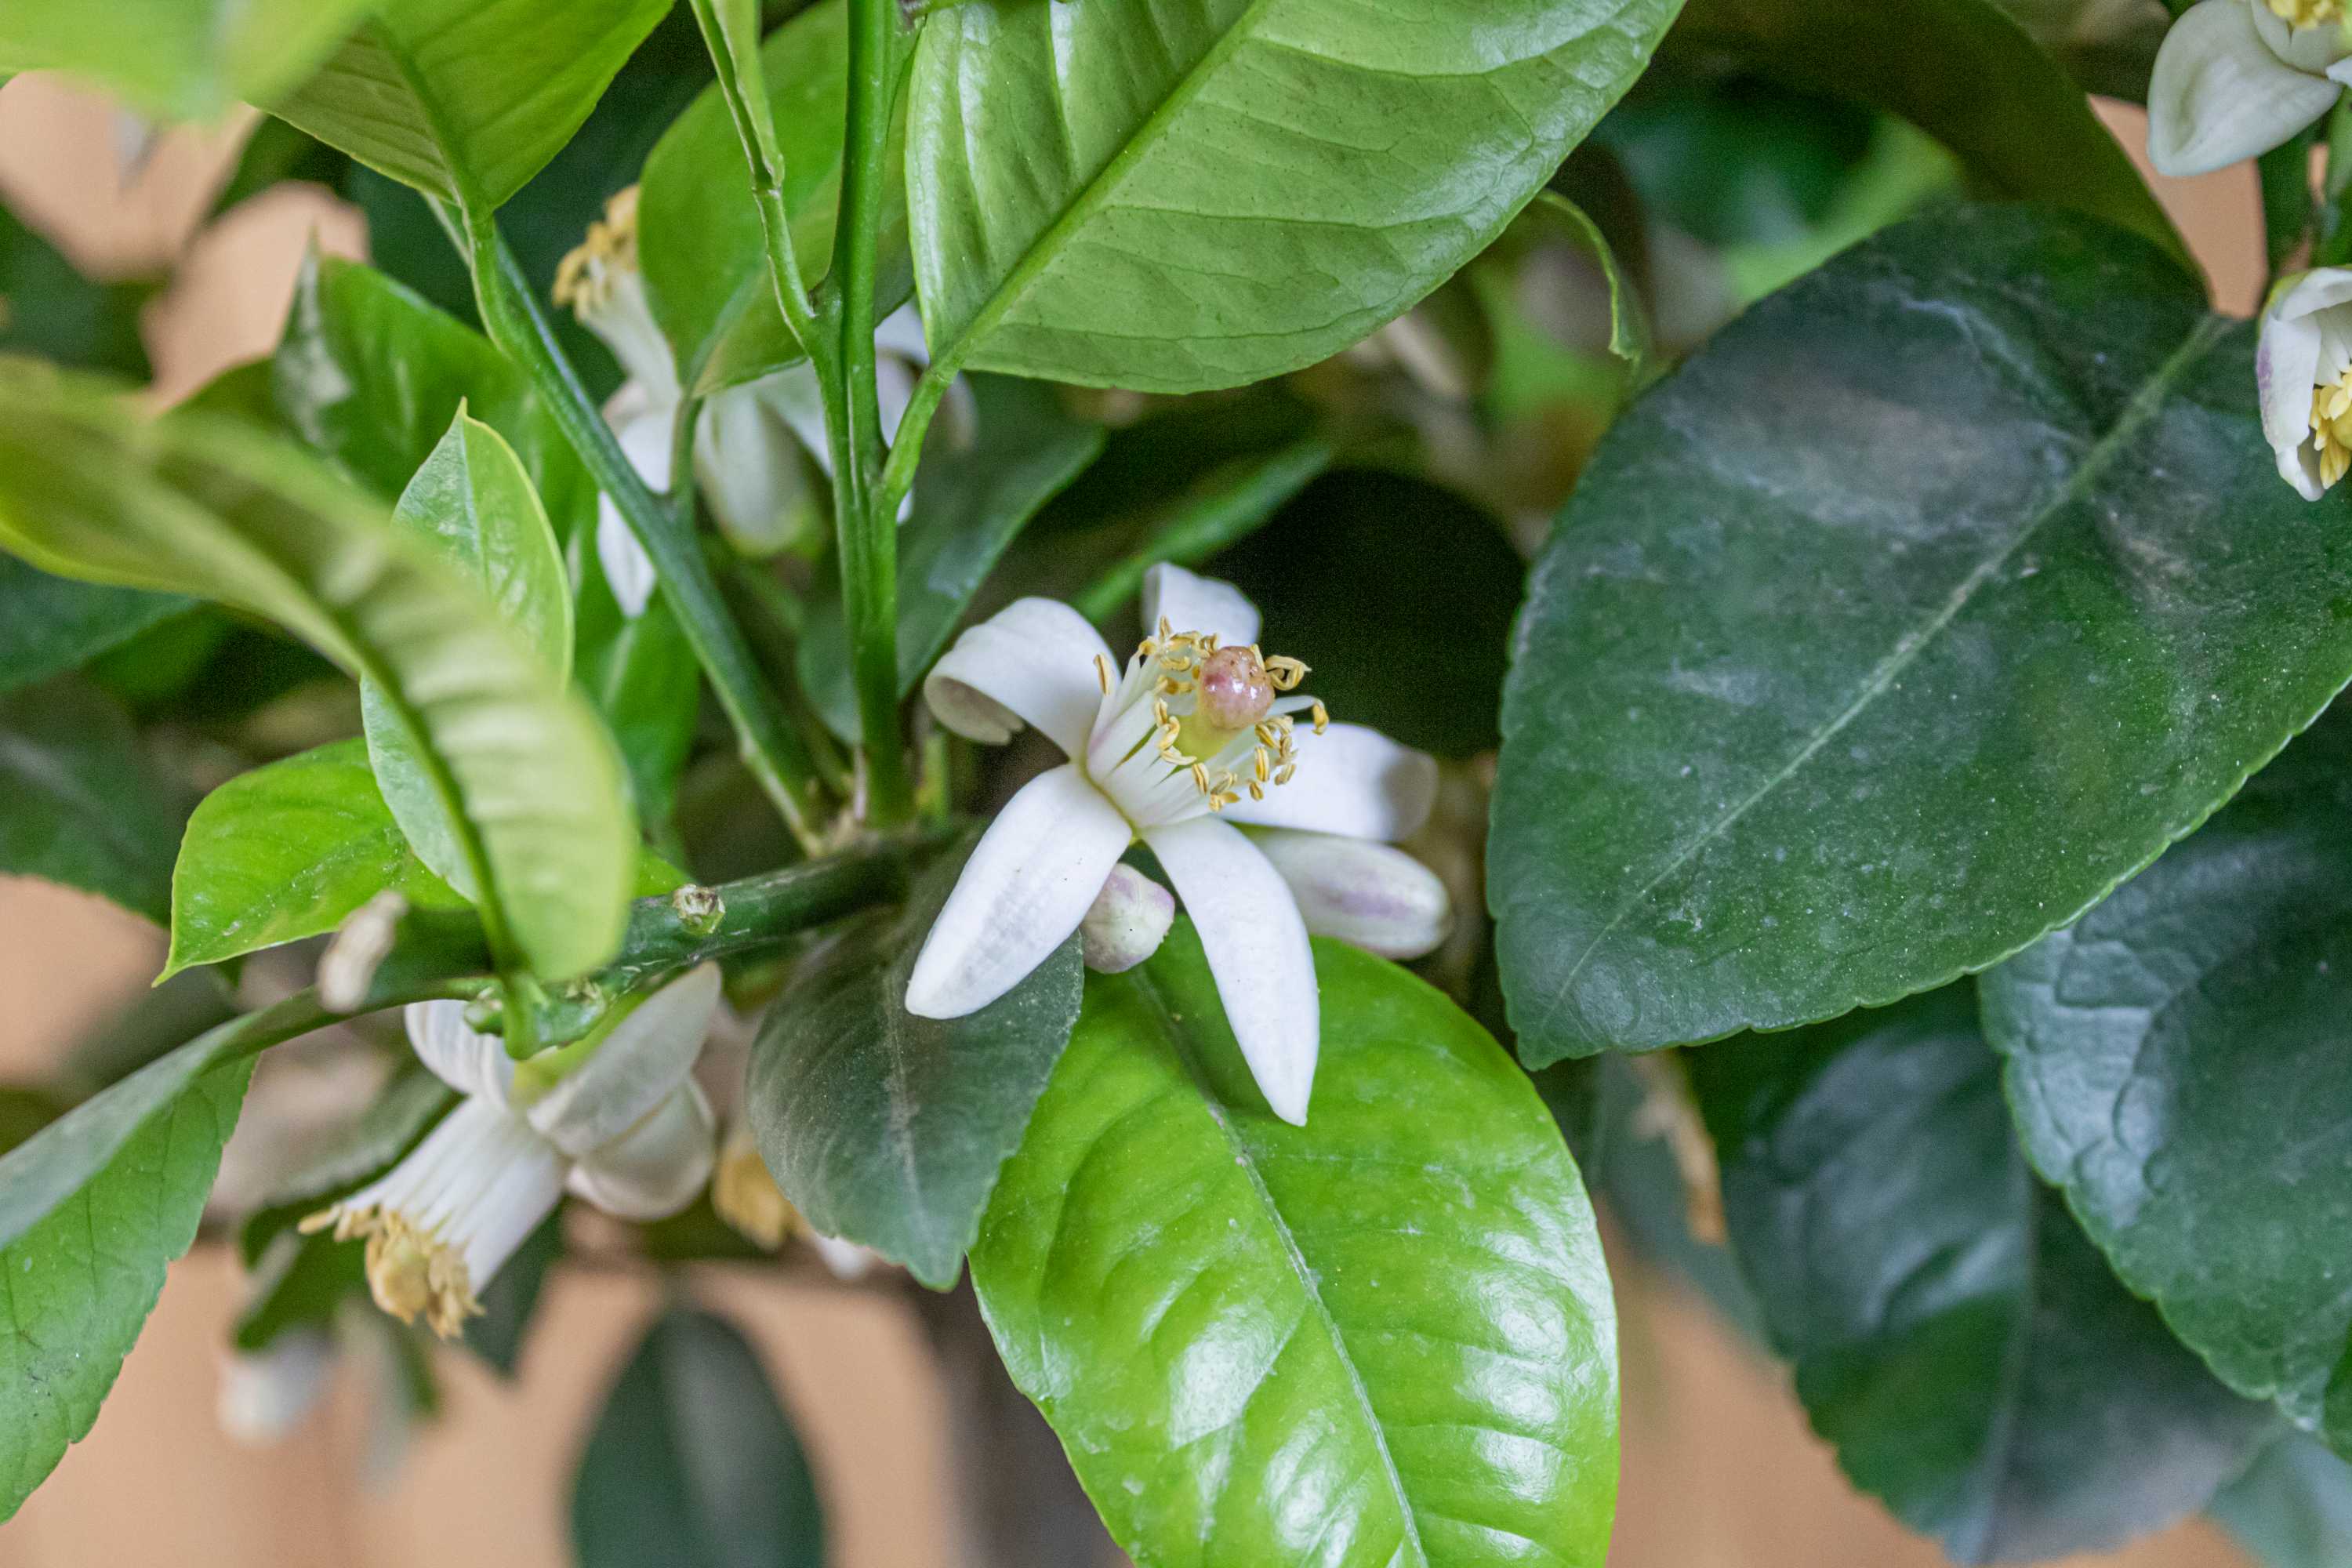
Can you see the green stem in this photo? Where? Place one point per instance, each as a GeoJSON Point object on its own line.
{"type": "Point", "coordinates": [521, 330]}
{"type": "Point", "coordinates": [868, 527]}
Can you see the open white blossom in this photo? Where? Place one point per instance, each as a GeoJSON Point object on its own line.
{"type": "Point", "coordinates": [1197, 734]}
{"type": "Point", "coordinates": [2303, 372]}
{"type": "Point", "coordinates": [2237, 78]}
{"type": "Point", "coordinates": [748, 440]}
{"type": "Point", "coordinates": [616, 1119]}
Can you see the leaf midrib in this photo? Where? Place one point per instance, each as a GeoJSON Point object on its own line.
{"type": "Point", "coordinates": [2144, 405]}
{"type": "Point", "coordinates": [1180, 1046]}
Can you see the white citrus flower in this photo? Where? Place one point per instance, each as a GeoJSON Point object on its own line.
{"type": "Point", "coordinates": [1196, 735]}
{"type": "Point", "coordinates": [748, 443]}
{"type": "Point", "coordinates": [2302, 371]}
{"type": "Point", "coordinates": [2237, 78]}
{"type": "Point", "coordinates": [616, 1119]}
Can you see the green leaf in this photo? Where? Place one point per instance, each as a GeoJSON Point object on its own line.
{"type": "Point", "coordinates": [83, 807]}
{"type": "Point", "coordinates": [2109, 45]}
{"type": "Point", "coordinates": [1936, 596]}
{"type": "Point", "coordinates": [467, 99]}
{"type": "Point", "coordinates": [472, 506]}
{"type": "Point", "coordinates": [83, 1271]}
{"type": "Point", "coordinates": [972, 499]}
{"type": "Point", "coordinates": [205, 504]}
{"type": "Point", "coordinates": [1383, 1338]}
{"type": "Point", "coordinates": [372, 376]}
{"type": "Point", "coordinates": [2292, 1510]}
{"type": "Point", "coordinates": [288, 851]}
{"type": "Point", "coordinates": [510, 1301]}
{"type": "Point", "coordinates": [273, 154]}
{"type": "Point", "coordinates": [1229, 189]}
{"type": "Point", "coordinates": [1962, 71]}
{"type": "Point", "coordinates": [1552, 218]}
{"type": "Point", "coordinates": [1969, 1354]}
{"type": "Point", "coordinates": [2176, 1063]}
{"type": "Point", "coordinates": [51, 625]}
{"type": "Point", "coordinates": [693, 1461]}
{"type": "Point", "coordinates": [698, 233]}
{"type": "Point", "coordinates": [49, 308]}
{"type": "Point", "coordinates": [641, 675]}
{"type": "Point", "coordinates": [888, 1129]}
{"type": "Point", "coordinates": [182, 59]}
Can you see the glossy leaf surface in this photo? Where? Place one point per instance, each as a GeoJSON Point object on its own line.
{"type": "Point", "coordinates": [287, 851]}
{"type": "Point", "coordinates": [83, 806]}
{"type": "Point", "coordinates": [890, 1130]}
{"type": "Point", "coordinates": [693, 1461]}
{"type": "Point", "coordinates": [207, 505]}
{"type": "Point", "coordinates": [1936, 596]}
{"type": "Point", "coordinates": [182, 59]}
{"type": "Point", "coordinates": [1383, 1338]}
{"type": "Point", "coordinates": [467, 99]}
{"type": "Point", "coordinates": [1954, 1335]}
{"type": "Point", "coordinates": [2176, 1063]}
{"type": "Point", "coordinates": [1217, 191]}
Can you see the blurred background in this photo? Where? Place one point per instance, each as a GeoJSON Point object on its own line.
{"type": "Point", "coordinates": [1718, 1467]}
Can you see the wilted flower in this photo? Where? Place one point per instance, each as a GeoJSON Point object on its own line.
{"type": "Point", "coordinates": [2302, 371]}
{"type": "Point", "coordinates": [2237, 78]}
{"type": "Point", "coordinates": [1198, 733]}
{"type": "Point", "coordinates": [616, 1119]}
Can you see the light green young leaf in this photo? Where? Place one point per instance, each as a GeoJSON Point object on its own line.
{"type": "Point", "coordinates": [1223, 189]}
{"type": "Point", "coordinates": [1938, 594]}
{"type": "Point", "coordinates": [1384, 1337]}
{"type": "Point", "coordinates": [205, 504]}
{"type": "Point", "coordinates": [181, 59]}
{"type": "Point", "coordinates": [287, 851]}
{"type": "Point", "coordinates": [694, 1462]}
{"type": "Point", "coordinates": [475, 508]}
{"type": "Point", "coordinates": [467, 99]}
{"type": "Point", "coordinates": [972, 499]}
{"type": "Point", "coordinates": [83, 807]}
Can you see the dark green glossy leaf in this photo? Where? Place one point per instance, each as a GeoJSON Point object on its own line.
{"type": "Point", "coordinates": [890, 1130]}
{"type": "Point", "coordinates": [83, 807]}
{"type": "Point", "coordinates": [1936, 596]}
{"type": "Point", "coordinates": [972, 498]}
{"type": "Point", "coordinates": [1228, 189]}
{"type": "Point", "coordinates": [2177, 1062]}
{"type": "Point", "coordinates": [1383, 1338]}
{"type": "Point", "coordinates": [208, 504]}
{"type": "Point", "coordinates": [1954, 1335]}
{"type": "Point", "coordinates": [2109, 45]}
{"type": "Point", "coordinates": [693, 1461]}
{"type": "Point", "coordinates": [472, 506]}
{"type": "Point", "coordinates": [51, 625]}
{"type": "Point", "coordinates": [2293, 1508]}
{"type": "Point", "coordinates": [183, 60]}
{"type": "Point", "coordinates": [372, 376]}
{"type": "Point", "coordinates": [1417, 654]}
{"type": "Point", "coordinates": [287, 851]}
{"type": "Point", "coordinates": [1962, 71]}
{"type": "Point", "coordinates": [49, 308]}
{"type": "Point", "coordinates": [147, 1023]}
{"type": "Point", "coordinates": [467, 99]}
{"type": "Point", "coordinates": [83, 1269]}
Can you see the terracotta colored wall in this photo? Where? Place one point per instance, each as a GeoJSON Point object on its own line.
{"type": "Point", "coordinates": [1719, 1471]}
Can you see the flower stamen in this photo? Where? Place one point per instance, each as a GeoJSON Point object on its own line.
{"type": "Point", "coordinates": [586, 278]}
{"type": "Point", "coordinates": [2307, 12]}
{"type": "Point", "coordinates": [2331, 427]}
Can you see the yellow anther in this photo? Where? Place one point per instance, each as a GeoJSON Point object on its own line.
{"type": "Point", "coordinates": [583, 280]}
{"type": "Point", "coordinates": [1285, 773]}
{"type": "Point", "coordinates": [2331, 427]}
{"type": "Point", "coordinates": [1201, 778]}
{"type": "Point", "coordinates": [1322, 718]}
{"type": "Point", "coordinates": [1257, 790]}
{"type": "Point", "coordinates": [1166, 631]}
{"type": "Point", "coordinates": [2307, 12]}
{"type": "Point", "coordinates": [1160, 711]}
{"type": "Point", "coordinates": [1102, 673]}
{"type": "Point", "coordinates": [1286, 673]}
{"type": "Point", "coordinates": [1261, 765]}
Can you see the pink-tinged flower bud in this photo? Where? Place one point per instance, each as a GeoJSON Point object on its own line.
{"type": "Point", "coordinates": [1235, 690]}
{"type": "Point", "coordinates": [1379, 898]}
{"type": "Point", "coordinates": [1129, 920]}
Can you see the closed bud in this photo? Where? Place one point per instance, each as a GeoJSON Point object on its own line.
{"type": "Point", "coordinates": [1129, 920]}
{"type": "Point", "coordinates": [1379, 898]}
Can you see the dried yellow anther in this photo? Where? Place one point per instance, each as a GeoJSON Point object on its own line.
{"type": "Point", "coordinates": [1261, 765]}
{"type": "Point", "coordinates": [1284, 774]}
{"type": "Point", "coordinates": [1201, 778]}
{"type": "Point", "coordinates": [584, 279]}
{"type": "Point", "coordinates": [1166, 631]}
{"type": "Point", "coordinates": [1286, 673]}
{"type": "Point", "coordinates": [410, 1270]}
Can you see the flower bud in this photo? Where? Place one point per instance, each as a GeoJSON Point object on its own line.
{"type": "Point", "coordinates": [1129, 920]}
{"type": "Point", "coordinates": [1379, 898]}
{"type": "Point", "coordinates": [266, 1393]}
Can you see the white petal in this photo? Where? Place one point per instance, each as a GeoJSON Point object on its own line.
{"type": "Point", "coordinates": [1023, 892]}
{"type": "Point", "coordinates": [465, 1059]}
{"type": "Point", "coordinates": [1351, 780]}
{"type": "Point", "coordinates": [901, 334]}
{"type": "Point", "coordinates": [1191, 603]}
{"type": "Point", "coordinates": [644, 1057]}
{"type": "Point", "coordinates": [1033, 660]}
{"type": "Point", "coordinates": [657, 1167]}
{"type": "Point", "coordinates": [1377, 897]}
{"type": "Point", "coordinates": [2286, 364]}
{"type": "Point", "coordinates": [2312, 49]}
{"type": "Point", "coordinates": [844, 1259]}
{"type": "Point", "coordinates": [2221, 94]}
{"type": "Point", "coordinates": [749, 467]}
{"type": "Point", "coordinates": [645, 441]}
{"type": "Point", "coordinates": [1257, 950]}
{"type": "Point", "coordinates": [794, 395]}
{"type": "Point", "coordinates": [624, 318]}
